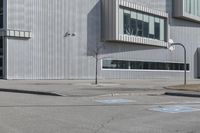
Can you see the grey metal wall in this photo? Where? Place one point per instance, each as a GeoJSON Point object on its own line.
{"type": "Point", "coordinates": [50, 55]}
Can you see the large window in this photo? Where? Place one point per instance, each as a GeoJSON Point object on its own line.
{"type": "Point", "coordinates": [142, 24]}
{"type": "Point", "coordinates": [121, 64]}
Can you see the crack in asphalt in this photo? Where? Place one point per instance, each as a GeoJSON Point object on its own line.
{"type": "Point", "coordinates": [103, 125]}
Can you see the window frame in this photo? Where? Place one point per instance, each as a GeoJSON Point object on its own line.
{"type": "Point", "coordinates": [141, 19]}
{"type": "Point", "coordinates": [112, 21]}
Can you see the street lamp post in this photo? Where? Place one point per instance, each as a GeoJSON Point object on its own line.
{"type": "Point", "coordinates": [185, 54]}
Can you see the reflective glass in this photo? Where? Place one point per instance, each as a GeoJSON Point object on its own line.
{"type": "Point", "coordinates": [141, 24]}
{"type": "Point", "coordinates": [146, 26]}
{"type": "Point", "coordinates": [157, 28]}
{"type": "Point", "coordinates": [1, 6]}
{"type": "Point", "coordinates": [127, 23]}
{"type": "Point", "coordinates": [133, 23]}
{"type": "Point", "coordinates": [122, 64]}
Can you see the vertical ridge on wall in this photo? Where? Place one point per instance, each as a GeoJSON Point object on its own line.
{"type": "Point", "coordinates": [50, 55]}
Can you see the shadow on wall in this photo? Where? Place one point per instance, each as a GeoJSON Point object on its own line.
{"type": "Point", "coordinates": [196, 64]}
{"type": "Point", "coordinates": [94, 37]}
{"type": "Point", "coordinates": [94, 29]}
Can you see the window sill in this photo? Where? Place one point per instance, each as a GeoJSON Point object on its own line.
{"type": "Point", "coordinates": [142, 40]}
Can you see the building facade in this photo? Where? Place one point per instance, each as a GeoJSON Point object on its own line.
{"type": "Point", "coordinates": [58, 39]}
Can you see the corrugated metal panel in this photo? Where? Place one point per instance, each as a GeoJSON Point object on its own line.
{"type": "Point", "coordinates": [50, 55]}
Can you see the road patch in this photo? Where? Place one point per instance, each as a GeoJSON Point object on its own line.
{"type": "Point", "coordinates": [114, 101]}
{"type": "Point", "coordinates": [174, 109]}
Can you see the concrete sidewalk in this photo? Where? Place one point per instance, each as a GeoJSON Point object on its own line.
{"type": "Point", "coordinates": [86, 88]}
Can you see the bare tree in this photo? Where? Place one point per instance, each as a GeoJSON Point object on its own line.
{"type": "Point", "coordinates": [96, 52]}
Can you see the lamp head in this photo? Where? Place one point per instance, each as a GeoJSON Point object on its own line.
{"type": "Point", "coordinates": [170, 41]}
{"type": "Point", "coordinates": [170, 46]}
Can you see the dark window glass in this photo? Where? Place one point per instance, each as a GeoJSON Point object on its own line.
{"type": "Point", "coordinates": [115, 64]}
{"type": "Point", "coordinates": [139, 28]}
{"type": "Point", "coordinates": [119, 64]}
{"type": "Point", "coordinates": [139, 65]}
{"type": "Point", "coordinates": [188, 67]}
{"type": "Point", "coordinates": [127, 18]}
{"type": "Point", "coordinates": [1, 13]}
{"type": "Point", "coordinates": [181, 66]}
{"type": "Point", "coordinates": [133, 26]}
{"type": "Point", "coordinates": [1, 21]}
{"type": "Point", "coordinates": [1, 62]}
{"type": "Point", "coordinates": [157, 31]}
{"type": "Point", "coordinates": [151, 36]}
{"type": "Point", "coordinates": [133, 65]}
{"type": "Point", "coordinates": [143, 25]}
{"type": "Point", "coordinates": [1, 42]}
{"type": "Point", "coordinates": [1, 6]}
{"type": "Point", "coordinates": [1, 51]}
{"type": "Point", "coordinates": [1, 73]}
{"type": "Point", "coordinates": [177, 67]}
{"type": "Point", "coordinates": [145, 29]}
{"type": "Point", "coordinates": [146, 65]}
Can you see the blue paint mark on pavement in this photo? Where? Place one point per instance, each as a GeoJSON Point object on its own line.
{"type": "Point", "coordinates": [114, 101]}
{"type": "Point", "coordinates": [174, 109]}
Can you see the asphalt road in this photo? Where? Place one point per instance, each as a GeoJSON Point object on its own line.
{"type": "Point", "coordinates": [24, 113]}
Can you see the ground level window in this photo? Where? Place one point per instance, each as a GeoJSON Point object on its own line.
{"type": "Point", "coordinates": [122, 64]}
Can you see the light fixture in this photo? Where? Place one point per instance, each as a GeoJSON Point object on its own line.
{"type": "Point", "coordinates": [67, 34]}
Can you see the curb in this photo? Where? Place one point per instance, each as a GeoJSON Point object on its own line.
{"type": "Point", "coordinates": [30, 92]}
{"type": "Point", "coordinates": [184, 94]}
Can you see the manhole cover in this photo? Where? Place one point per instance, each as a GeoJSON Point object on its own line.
{"type": "Point", "coordinates": [114, 101]}
{"type": "Point", "coordinates": [174, 109]}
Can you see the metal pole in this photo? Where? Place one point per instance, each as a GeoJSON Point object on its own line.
{"type": "Point", "coordinates": [185, 65]}
{"type": "Point", "coordinates": [96, 71]}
